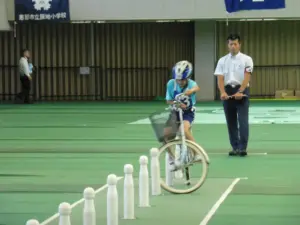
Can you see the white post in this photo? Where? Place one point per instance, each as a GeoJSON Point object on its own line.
{"type": "Point", "coordinates": [64, 213]}
{"type": "Point", "coordinates": [89, 212]}
{"type": "Point", "coordinates": [112, 200]}
{"type": "Point", "coordinates": [144, 182]}
{"type": "Point", "coordinates": [32, 222]}
{"type": "Point", "coordinates": [169, 174]}
{"type": "Point", "coordinates": [155, 172]}
{"type": "Point", "coordinates": [128, 192]}
{"type": "Point", "coordinates": [178, 173]}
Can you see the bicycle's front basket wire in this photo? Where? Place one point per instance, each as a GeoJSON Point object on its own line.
{"type": "Point", "coordinates": [164, 124]}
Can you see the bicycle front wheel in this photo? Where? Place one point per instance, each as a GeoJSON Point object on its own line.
{"type": "Point", "coordinates": [188, 177]}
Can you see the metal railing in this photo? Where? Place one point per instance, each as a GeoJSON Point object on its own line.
{"type": "Point", "coordinates": [67, 84]}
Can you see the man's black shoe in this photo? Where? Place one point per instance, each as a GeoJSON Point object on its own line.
{"type": "Point", "coordinates": [243, 153]}
{"type": "Point", "coordinates": [233, 153]}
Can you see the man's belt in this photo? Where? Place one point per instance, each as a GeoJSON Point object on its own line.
{"type": "Point", "coordinates": [232, 85]}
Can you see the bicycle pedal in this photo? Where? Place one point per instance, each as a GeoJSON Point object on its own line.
{"type": "Point", "coordinates": [188, 183]}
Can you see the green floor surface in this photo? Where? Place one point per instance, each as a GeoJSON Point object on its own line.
{"type": "Point", "coordinates": [157, 213]}
{"type": "Point", "coordinates": [50, 152]}
{"type": "Point", "coordinates": [258, 209]}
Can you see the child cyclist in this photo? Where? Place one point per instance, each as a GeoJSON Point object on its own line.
{"type": "Point", "coordinates": [182, 89]}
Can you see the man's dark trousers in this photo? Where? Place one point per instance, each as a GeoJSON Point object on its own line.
{"type": "Point", "coordinates": [26, 87]}
{"type": "Point", "coordinates": [237, 118]}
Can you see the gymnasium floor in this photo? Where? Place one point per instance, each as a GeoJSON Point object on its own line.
{"type": "Point", "coordinates": [50, 152]}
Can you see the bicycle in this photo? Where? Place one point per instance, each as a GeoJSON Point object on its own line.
{"type": "Point", "coordinates": [182, 151]}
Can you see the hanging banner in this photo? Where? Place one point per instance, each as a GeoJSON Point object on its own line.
{"type": "Point", "coordinates": [239, 5]}
{"type": "Point", "coordinates": [42, 10]}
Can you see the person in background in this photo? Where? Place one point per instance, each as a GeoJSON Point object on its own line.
{"type": "Point", "coordinates": [25, 71]}
{"type": "Point", "coordinates": [234, 71]}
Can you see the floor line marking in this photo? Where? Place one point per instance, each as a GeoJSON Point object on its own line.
{"type": "Point", "coordinates": [219, 153]}
{"type": "Point", "coordinates": [56, 215]}
{"type": "Point", "coordinates": [215, 207]}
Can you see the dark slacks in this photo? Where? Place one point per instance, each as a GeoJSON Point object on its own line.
{"type": "Point", "coordinates": [237, 118]}
{"type": "Point", "coordinates": [26, 87]}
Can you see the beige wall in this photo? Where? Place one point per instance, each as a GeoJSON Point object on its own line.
{"type": "Point", "coordinates": [4, 25]}
{"type": "Point", "coordinates": [205, 56]}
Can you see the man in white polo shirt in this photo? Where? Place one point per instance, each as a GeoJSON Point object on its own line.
{"type": "Point", "coordinates": [25, 71]}
{"type": "Point", "coordinates": [233, 72]}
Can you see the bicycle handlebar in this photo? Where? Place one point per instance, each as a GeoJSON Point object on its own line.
{"type": "Point", "coordinates": [230, 97]}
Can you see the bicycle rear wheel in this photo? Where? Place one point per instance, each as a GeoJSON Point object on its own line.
{"type": "Point", "coordinates": [197, 169]}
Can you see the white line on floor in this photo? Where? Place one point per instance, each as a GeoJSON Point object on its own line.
{"type": "Point", "coordinates": [219, 153]}
{"type": "Point", "coordinates": [56, 215]}
{"type": "Point", "coordinates": [215, 207]}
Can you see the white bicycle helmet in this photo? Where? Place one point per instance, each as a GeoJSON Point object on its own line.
{"type": "Point", "coordinates": [182, 70]}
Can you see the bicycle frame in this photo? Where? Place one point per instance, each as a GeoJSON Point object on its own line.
{"type": "Point", "coordinates": [183, 138]}
{"type": "Point", "coordinates": [181, 126]}
{"type": "Point", "coordinates": [182, 134]}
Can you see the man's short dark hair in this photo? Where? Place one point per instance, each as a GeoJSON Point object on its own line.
{"type": "Point", "coordinates": [233, 37]}
{"type": "Point", "coordinates": [24, 50]}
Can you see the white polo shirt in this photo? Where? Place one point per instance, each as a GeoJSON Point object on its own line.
{"type": "Point", "coordinates": [24, 67]}
{"type": "Point", "coordinates": [233, 68]}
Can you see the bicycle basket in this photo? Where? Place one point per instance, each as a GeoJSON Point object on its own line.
{"type": "Point", "coordinates": [162, 120]}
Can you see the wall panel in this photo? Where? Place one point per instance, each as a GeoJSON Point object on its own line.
{"type": "Point", "coordinates": [127, 60]}
{"type": "Point", "coordinates": [274, 48]}
{"type": "Point", "coordinates": [135, 59]}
